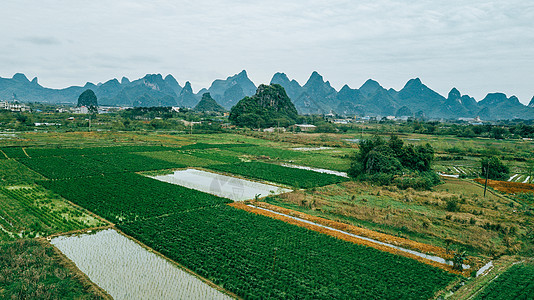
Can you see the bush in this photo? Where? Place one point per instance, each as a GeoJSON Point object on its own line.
{"type": "Point", "coordinates": [453, 205]}
{"type": "Point", "coordinates": [417, 181]}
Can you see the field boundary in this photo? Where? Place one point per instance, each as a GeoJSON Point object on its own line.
{"type": "Point", "coordinates": [177, 264]}
{"type": "Point", "coordinates": [71, 264]}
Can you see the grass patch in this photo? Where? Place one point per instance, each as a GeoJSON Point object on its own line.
{"type": "Point", "coordinates": [30, 269]}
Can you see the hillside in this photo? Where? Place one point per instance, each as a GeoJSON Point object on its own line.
{"type": "Point", "coordinates": [208, 104]}
{"type": "Point", "coordinates": [270, 106]}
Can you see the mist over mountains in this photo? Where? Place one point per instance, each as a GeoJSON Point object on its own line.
{"type": "Point", "coordinates": [316, 96]}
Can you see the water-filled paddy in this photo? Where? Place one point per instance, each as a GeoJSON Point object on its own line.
{"type": "Point", "coordinates": [236, 189]}
{"type": "Point", "coordinates": [126, 270]}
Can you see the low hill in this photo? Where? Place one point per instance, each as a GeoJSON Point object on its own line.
{"type": "Point", "coordinates": [270, 106]}
{"type": "Point", "coordinates": [208, 104]}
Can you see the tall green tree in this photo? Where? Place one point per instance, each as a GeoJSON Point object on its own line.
{"type": "Point", "coordinates": [493, 168]}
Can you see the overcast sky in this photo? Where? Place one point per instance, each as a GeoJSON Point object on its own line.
{"type": "Point", "coordinates": [477, 46]}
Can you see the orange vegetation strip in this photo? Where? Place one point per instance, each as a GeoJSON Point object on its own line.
{"type": "Point", "coordinates": [508, 187]}
{"type": "Point", "coordinates": [339, 235]}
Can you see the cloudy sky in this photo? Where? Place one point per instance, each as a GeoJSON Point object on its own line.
{"type": "Point", "coordinates": [477, 46]}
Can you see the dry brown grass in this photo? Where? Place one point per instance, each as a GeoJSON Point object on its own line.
{"type": "Point", "coordinates": [508, 187]}
{"type": "Point", "coordinates": [489, 226]}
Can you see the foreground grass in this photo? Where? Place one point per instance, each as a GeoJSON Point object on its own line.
{"type": "Point", "coordinates": [30, 269]}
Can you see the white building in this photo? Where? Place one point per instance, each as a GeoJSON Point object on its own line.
{"type": "Point", "coordinates": [14, 106]}
{"type": "Point", "coordinates": [306, 127]}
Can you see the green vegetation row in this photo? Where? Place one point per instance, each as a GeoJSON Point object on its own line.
{"type": "Point", "coordinates": [258, 257]}
{"type": "Point", "coordinates": [29, 269]}
{"type": "Point", "coordinates": [298, 178]}
{"type": "Point", "coordinates": [24, 210]}
{"type": "Point", "coordinates": [515, 283]}
{"type": "Point", "coordinates": [129, 196]}
{"type": "Point", "coordinates": [213, 146]}
{"type": "Point", "coordinates": [54, 167]}
{"type": "Point", "coordinates": [18, 152]}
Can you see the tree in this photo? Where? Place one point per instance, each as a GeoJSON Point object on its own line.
{"type": "Point", "coordinates": [498, 133]}
{"type": "Point", "coordinates": [493, 168]}
{"type": "Point", "coordinates": [458, 260]}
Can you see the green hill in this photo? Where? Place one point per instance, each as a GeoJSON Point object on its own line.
{"type": "Point", "coordinates": [208, 104]}
{"type": "Point", "coordinates": [270, 106]}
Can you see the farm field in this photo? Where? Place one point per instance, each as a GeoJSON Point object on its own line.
{"type": "Point", "coordinates": [509, 187]}
{"type": "Point", "coordinates": [126, 270]}
{"type": "Point", "coordinates": [515, 283]}
{"type": "Point", "coordinates": [129, 196]}
{"type": "Point", "coordinates": [422, 216]}
{"type": "Point", "coordinates": [31, 269]}
{"type": "Point", "coordinates": [224, 245]}
{"type": "Point", "coordinates": [255, 256]}
{"type": "Point", "coordinates": [32, 211]}
{"type": "Point", "coordinates": [229, 187]}
{"type": "Point", "coordinates": [13, 172]}
{"type": "Point", "coordinates": [297, 178]}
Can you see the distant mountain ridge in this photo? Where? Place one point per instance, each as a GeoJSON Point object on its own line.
{"type": "Point", "coordinates": [316, 96]}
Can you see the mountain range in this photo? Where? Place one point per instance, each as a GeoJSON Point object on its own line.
{"type": "Point", "coordinates": [316, 96]}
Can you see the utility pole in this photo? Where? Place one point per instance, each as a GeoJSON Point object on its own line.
{"type": "Point", "coordinates": [486, 183]}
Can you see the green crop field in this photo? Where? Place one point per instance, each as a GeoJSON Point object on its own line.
{"type": "Point", "coordinates": [29, 211]}
{"type": "Point", "coordinates": [129, 196]}
{"type": "Point", "coordinates": [516, 283]}
{"type": "Point", "coordinates": [279, 174]}
{"type": "Point", "coordinates": [12, 152]}
{"type": "Point", "coordinates": [179, 157]}
{"type": "Point", "coordinates": [259, 257]}
{"type": "Point", "coordinates": [134, 162]}
{"type": "Point", "coordinates": [255, 256]}
{"type": "Point", "coordinates": [13, 172]}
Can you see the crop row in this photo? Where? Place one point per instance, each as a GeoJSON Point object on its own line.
{"type": "Point", "coordinates": [12, 152]}
{"type": "Point", "coordinates": [217, 155]}
{"type": "Point", "coordinates": [298, 178]}
{"type": "Point", "coordinates": [259, 257]}
{"type": "Point", "coordinates": [54, 167]}
{"type": "Point", "coordinates": [213, 146]}
{"type": "Point", "coordinates": [44, 220]}
{"type": "Point", "coordinates": [40, 152]}
{"type": "Point", "coordinates": [516, 283]}
{"type": "Point", "coordinates": [129, 196]}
